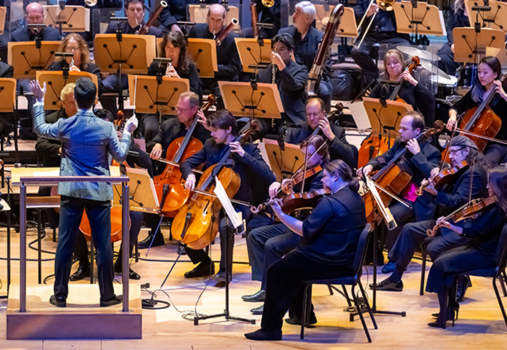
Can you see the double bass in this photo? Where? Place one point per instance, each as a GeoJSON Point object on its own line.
{"type": "Point", "coordinates": [196, 223]}
{"type": "Point", "coordinates": [376, 144]}
{"type": "Point", "coordinates": [180, 149]}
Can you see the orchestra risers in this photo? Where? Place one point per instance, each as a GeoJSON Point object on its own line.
{"type": "Point", "coordinates": [81, 319]}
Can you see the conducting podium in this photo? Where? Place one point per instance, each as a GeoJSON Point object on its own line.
{"type": "Point", "coordinates": [242, 100]}
{"type": "Point", "coordinates": [204, 54]}
{"type": "Point", "coordinates": [56, 81]}
{"type": "Point", "coordinates": [156, 95]}
{"type": "Point", "coordinates": [68, 19]}
{"type": "Point", "coordinates": [471, 47]}
{"type": "Point", "coordinates": [254, 54]}
{"type": "Point", "coordinates": [27, 57]}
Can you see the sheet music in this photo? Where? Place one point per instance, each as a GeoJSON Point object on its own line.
{"type": "Point", "coordinates": [235, 217]}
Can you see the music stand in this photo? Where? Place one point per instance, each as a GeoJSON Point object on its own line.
{"type": "Point", "coordinates": [68, 19]}
{"type": "Point", "coordinates": [3, 12]}
{"type": "Point", "coordinates": [157, 95]}
{"type": "Point", "coordinates": [7, 95]}
{"type": "Point", "coordinates": [494, 17]}
{"type": "Point", "coordinates": [142, 194]}
{"type": "Point", "coordinates": [199, 14]}
{"type": "Point", "coordinates": [284, 162]}
{"type": "Point", "coordinates": [204, 54]}
{"type": "Point", "coordinates": [26, 58]}
{"type": "Point", "coordinates": [252, 54]}
{"type": "Point", "coordinates": [123, 54]}
{"type": "Point", "coordinates": [56, 81]}
{"type": "Point", "coordinates": [470, 46]}
{"type": "Point", "coordinates": [422, 19]}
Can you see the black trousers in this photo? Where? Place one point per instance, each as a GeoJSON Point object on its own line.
{"type": "Point", "coordinates": [402, 215]}
{"type": "Point", "coordinates": [99, 214]}
{"type": "Point", "coordinates": [285, 286]}
{"type": "Point", "coordinates": [496, 153]}
{"type": "Point", "coordinates": [362, 56]}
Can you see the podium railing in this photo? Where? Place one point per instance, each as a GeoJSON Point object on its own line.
{"type": "Point", "coordinates": [25, 181]}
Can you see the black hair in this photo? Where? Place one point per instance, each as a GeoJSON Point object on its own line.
{"type": "Point", "coordinates": [85, 93]}
{"type": "Point", "coordinates": [104, 114]}
{"type": "Point", "coordinates": [285, 39]}
{"type": "Point", "coordinates": [128, 2]}
{"type": "Point", "coordinates": [223, 119]}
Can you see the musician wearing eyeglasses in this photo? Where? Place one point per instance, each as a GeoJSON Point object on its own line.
{"type": "Point", "coordinates": [229, 64]}
{"type": "Point", "coordinates": [306, 43]}
{"type": "Point", "coordinates": [438, 203]}
{"type": "Point", "coordinates": [334, 134]}
{"type": "Point", "coordinates": [385, 22]}
{"type": "Point", "coordinates": [420, 159]}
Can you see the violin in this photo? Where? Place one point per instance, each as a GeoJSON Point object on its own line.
{"type": "Point", "coordinates": [471, 210]}
{"type": "Point", "coordinates": [169, 186]}
{"type": "Point", "coordinates": [445, 177]}
{"type": "Point", "coordinates": [196, 223]}
{"type": "Point", "coordinates": [296, 201]}
{"type": "Point", "coordinates": [298, 176]}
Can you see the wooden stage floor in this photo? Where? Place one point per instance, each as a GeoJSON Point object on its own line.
{"type": "Point", "coordinates": [480, 324]}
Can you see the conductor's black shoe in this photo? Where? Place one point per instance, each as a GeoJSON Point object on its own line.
{"type": "Point", "coordinates": [58, 301]}
{"type": "Point", "coordinates": [203, 269]}
{"type": "Point", "coordinates": [145, 243]}
{"type": "Point", "coordinates": [258, 310]}
{"type": "Point", "coordinates": [117, 299]}
{"type": "Point", "coordinates": [263, 335]}
{"type": "Point", "coordinates": [259, 296]}
{"type": "Point", "coordinates": [297, 320]}
{"type": "Point", "coordinates": [388, 285]}
{"type": "Point", "coordinates": [80, 274]}
{"type": "Point", "coordinates": [132, 274]}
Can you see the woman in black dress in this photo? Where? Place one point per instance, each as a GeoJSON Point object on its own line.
{"type": "Point", "coordinates": [489, 73]}
{"type": "Point", "coordinates": [327, 249]}
{"type": "Point", "coordinates": [478, 254]}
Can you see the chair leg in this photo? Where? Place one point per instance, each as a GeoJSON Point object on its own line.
{"type": "Point", "coordinates": [346, 295]}
{"type": "Point", "coordinates": [503, 280]}
{"type": "Point", "coordinates": [358, 308]}
{"type": "Point", "coordinates": [330, 289]}
{"type": "Point", "coordinates": [499, 301]}
{"type": "Point", "coordinates": [304, 316]}
{"type": "Point", "coordinates": [367, 304]}
{"type": "Point", "coordinates": [423, 269]}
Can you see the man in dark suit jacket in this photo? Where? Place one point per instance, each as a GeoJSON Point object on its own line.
{"type": "Point", "coordinates": [470, 185]}
{"type": "Point", "coordinates": [229, 64]}
{"type": "Point", "coordinates": [307, 40]}
{"type": "Point", "coordinates": [255, 179]}
{"type": "Point", "coordinates": [177, 10]}
{"type": "Point", "coordinates": [290, 77]}
{"type": "Point", "coordinates": [339, 148]}
{"type": "Point", "coordinates": [270, 15]}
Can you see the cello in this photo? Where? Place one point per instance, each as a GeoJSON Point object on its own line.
{"type": "Point", "coordinates": [376, 144]}
{"type": "Point", "coordinates": [196, 223]}
{"type": "Point", "coordinates": [392, 177]}
{"type": "Point", "coordinates": [179, 150]}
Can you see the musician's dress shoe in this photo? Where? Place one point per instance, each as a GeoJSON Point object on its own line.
{"type": "Point", "coordinates": [117, 299]}
{"type": "Point", "coordinates": [132, 274]}
{"type": "Point", "coordinates": [258, 310]}
{"type": "Point", "coordinates": [389, 285]}
{"type": "Point", "coordinates": [145, 243]}
{"type": "Point", "coordinates": [81, 273]}
{"type": "Point", "coordinates": [203, 269]}
{"type": "Point", "coordinates": [263, 335]}
{"type": "Point", "coordinates": [259, 296]}
{"type": "Point", "coordinates": [58, 301]}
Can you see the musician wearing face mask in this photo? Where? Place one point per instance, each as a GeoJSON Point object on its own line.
{"type": "Point", "coordinates": [422, 157]}
{"type": "Point", "coordinates": [268, 244]}
{"type": "Point", "coordinates": [334, 134]}
{"type": "Point", "coordinates": [434, 204]}
{"type": "Point", "coordinates": [290, 78]}
{"type": "Point", "coordinates": [307, 40]}
{"type": "Point", "coordinates": [255, 178]}
{"type": "Point", "coordinates": [134, 11]}
{"type": "Point", "coordinates": [229, 64]}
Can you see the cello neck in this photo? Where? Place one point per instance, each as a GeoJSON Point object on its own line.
{"type": "Point", "coordinates": [186, 140]}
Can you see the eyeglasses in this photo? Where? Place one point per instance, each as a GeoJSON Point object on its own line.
{"type": "Point", "coordinates": [72, 48]}
{"type": "Point", "coordinates": [454, 151]}
{"type": "Point", "coordinates": [182, 110]}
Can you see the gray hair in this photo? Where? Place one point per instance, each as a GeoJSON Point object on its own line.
{"type": "Point", "coordinates": [307, 8]}
{"type": "Point", "coordinates": [193, 98]}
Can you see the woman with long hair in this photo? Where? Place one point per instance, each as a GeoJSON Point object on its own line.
{"type": "Point", "coordinates": [488, 82]}
{"type": "Point", "coordinates": [411, 91]}
{"type": "Point", "coordinates": [478, 254]}
{"type": "Point", "coordinates": [326, 250]}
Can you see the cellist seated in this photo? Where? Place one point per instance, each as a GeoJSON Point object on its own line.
{"type": "Point", "coordinates": [419, 161]}
{"type": "Point", "coordinates": [255, 177]}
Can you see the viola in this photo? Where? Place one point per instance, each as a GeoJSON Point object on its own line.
{"type": "Point", "coordinates": [298, 176]}
{"type": "Point", "coordinates": [446, 176]}
{"type": "Point", "coordinates": [169, 186]}
{"type": "Point", "coordinates": [196, 223]}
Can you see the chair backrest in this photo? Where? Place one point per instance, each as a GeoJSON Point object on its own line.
{"type": "Point", "coordinates": [361, 249]}
{"type": "Point", "coordinates": [501, 251]}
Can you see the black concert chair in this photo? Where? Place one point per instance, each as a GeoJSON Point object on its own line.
{"type": "Point", "coordinates": [353, 281]}
{"type": "Point", "coordinates": [497, 272]}
{"type": "Point", "coordinates": [426, 242]}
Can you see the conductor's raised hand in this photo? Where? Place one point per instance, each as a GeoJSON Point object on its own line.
{"type": "Point", "coordinates": [131, 124]}
{"type": "Point", "coordinates": [37, 91]}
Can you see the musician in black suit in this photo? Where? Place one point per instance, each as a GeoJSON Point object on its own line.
{"type": "Point", "coordinates": [339, 148]}
{"type": "Point", "coordinates": [34, 14]}
{"type": "Point", "coordinates": [173, 46]}
{"type": "Point", "coordinates": [433, 203]}
{"type": "Point", "coordinates": [329, 238]}
{"type": "Point", "coordinates": [307, 40]}
{"type": "Point", "coordinates": [187, 110]}
{"type": "Point", "coordinates": [229, 64]}
{"type": "Point", "coordinates": [387, 34]}
{"type": "Point", "coordinates": [290, 77]}
{"type": "Point", "coordinates": [176, 11]}
{"type": "Point", "coordinates": [269, 15]}
{"type": "Point", "coordinates": [422, 157]}
{"type": "Point", "coordinates": [255, 179]}
{"type": "Point", "coordinates": [6, 119]}
{"type": "Point", "coordinates": [134, 10]}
